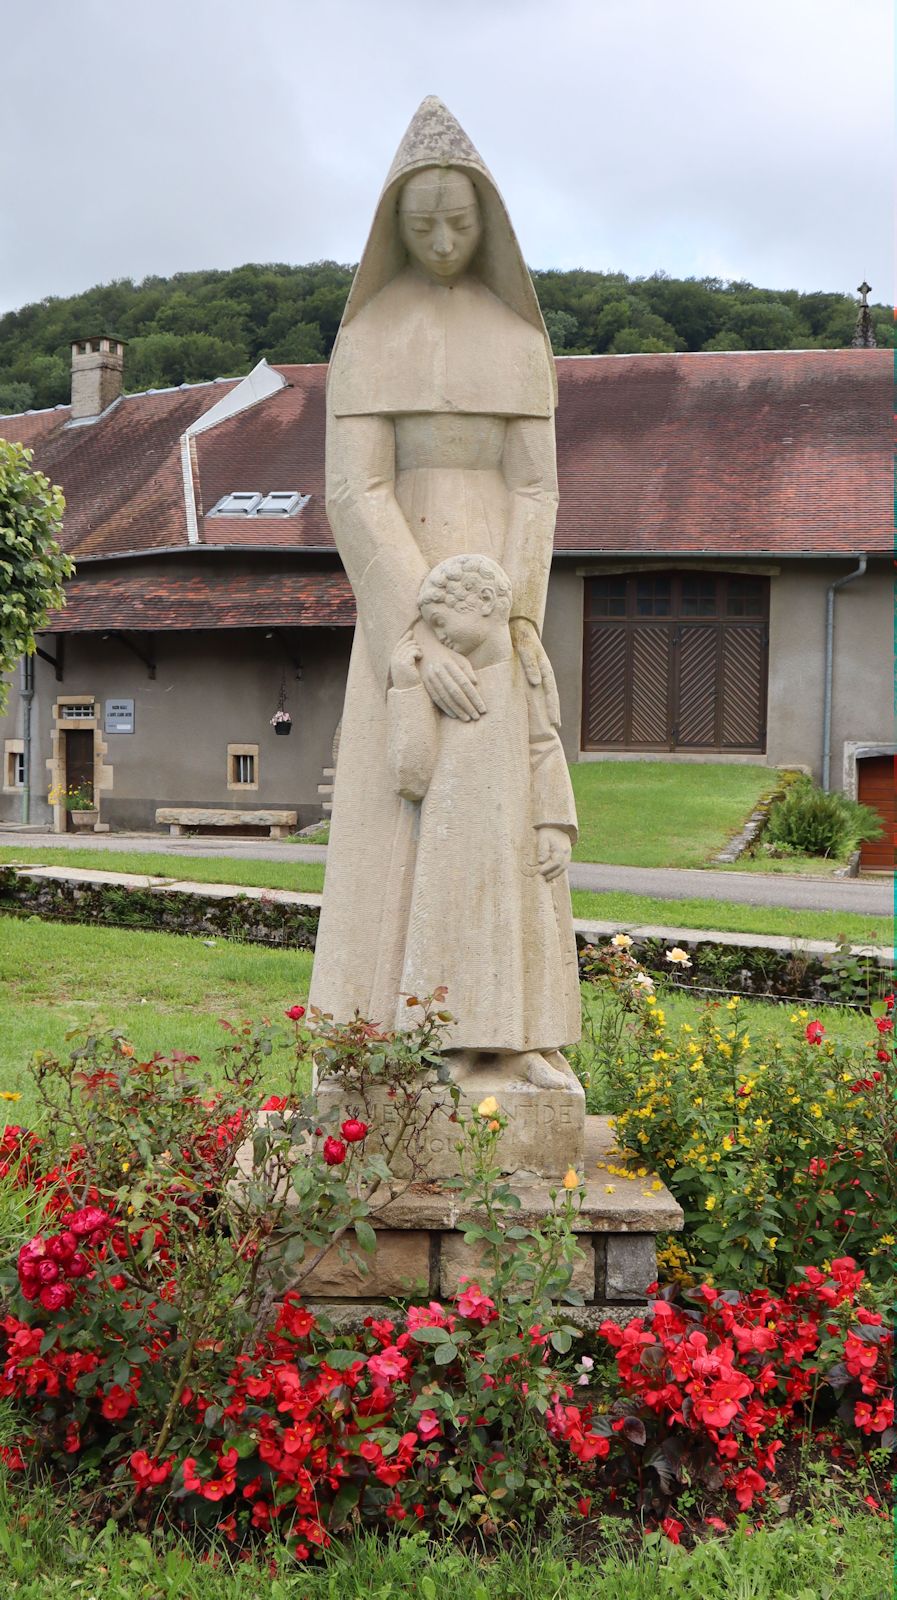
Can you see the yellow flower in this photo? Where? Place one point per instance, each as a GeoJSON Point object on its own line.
{"type": "Point", "coordinates": [126, 1166]}
{"type": "Point", "coordinates": [888, 1238]}
{"type": "Point", "coordinates": [773, 1241]}
{"type": "Point", "coordinates": [7, 1094]}
{"type": "Point", "coordinates": [710, 1202]}
{"type": "Point", "coordinates": [610, 1188]}
{"type": "Point", "coordinates": [488, 1107]}
{"type": "Point", "coordinates": [571, 1178]}
{"type": "Point", "coordinates": [657, 1186]}
{"type": "Point", "coordinates": [621, 941]}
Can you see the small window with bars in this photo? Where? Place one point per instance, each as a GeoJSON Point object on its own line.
{"type": "Point", "coordinates": [83, 711]}
{"type": "Point", "coordinates": [243, 771]}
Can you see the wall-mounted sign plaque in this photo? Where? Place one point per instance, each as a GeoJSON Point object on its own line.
{"type": "Point", "coordinates": [118, 716]}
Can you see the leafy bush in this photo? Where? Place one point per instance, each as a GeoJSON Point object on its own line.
{"type": "Point", "coordinates": [812, 822]}
{"type": "Point", "coordinates": [32, 565]}
{"type": "Point", "coordinates": [782, 1154]}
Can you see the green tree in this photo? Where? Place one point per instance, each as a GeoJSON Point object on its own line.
{"type": "Point", "coordinates": [32, 565]}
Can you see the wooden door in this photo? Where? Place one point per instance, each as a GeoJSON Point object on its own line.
{"type": "Point", "coordinates": [875, 787]}
{"type": "Point", "coordinates": [79, 759]}
{"type": "Point", "coordinates": [675, 661]}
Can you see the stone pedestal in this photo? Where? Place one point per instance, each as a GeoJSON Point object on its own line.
{"type": "Point", "coordinates": [543, 1139]}
{"type": "Point", "coordinates": [421, 1252]}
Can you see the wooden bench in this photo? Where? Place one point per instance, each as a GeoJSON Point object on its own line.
{"type": "Point", "coordinates": [179, 818]}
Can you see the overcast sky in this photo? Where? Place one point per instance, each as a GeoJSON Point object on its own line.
{"type": "Point", "coordinates": [156, 136]}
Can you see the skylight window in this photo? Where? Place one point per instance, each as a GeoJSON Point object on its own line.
{"type": "Point", "coordinates": [281, 503]}
{"type": "Point", "coordinates": [276, 503]}
{"type": "Point", "coordinates": [237, 505]}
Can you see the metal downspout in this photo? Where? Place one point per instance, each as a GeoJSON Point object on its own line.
{"type": "Point", "coordinates": [829, 667]}
{"type": "Point", "coordinates": [27, 699]}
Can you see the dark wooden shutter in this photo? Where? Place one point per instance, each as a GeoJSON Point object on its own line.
{"type": "Point", "coordinates": [695, 712]}
{"type": "Point", "coordinates": [695, 680]}
{"type": "Point", "coordinates": [743, 687]}
{"type": "Point", "coordinates": [604, 684]}
{"type": "Point", "coordinates": [649, 685]}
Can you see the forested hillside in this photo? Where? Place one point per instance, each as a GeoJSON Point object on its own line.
{"type": "Point", "coordinates": [216, 324]}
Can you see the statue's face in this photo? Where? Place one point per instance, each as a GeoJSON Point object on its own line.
{"type": "Point", "coordinates": [439, 221]}
{"type": "Point", "coordinates": [461, 628]}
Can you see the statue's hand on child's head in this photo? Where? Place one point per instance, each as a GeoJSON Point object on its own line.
{"type": "Point", "coordinates": [555, 847]}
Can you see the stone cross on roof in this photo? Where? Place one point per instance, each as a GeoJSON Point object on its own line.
{"type": "Point", "coordinates": [864, 333]}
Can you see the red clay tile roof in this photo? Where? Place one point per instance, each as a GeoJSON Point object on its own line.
{"type": "Point", "coordinates": [786, 452]}
{"type": "Point", "coordinates": [736, 452]}
{"type": "Point", "coordinates": [121, 476]}
{"type": "Point", "coordinates": [101, 600]}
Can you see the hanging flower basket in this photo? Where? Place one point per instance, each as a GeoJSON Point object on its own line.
{"type": "Point", "coordinates": [282, 722]}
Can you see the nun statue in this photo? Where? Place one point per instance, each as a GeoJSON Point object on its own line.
{"type": "Point", "coordinates": [440, 444]}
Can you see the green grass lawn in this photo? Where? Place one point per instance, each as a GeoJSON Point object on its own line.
{"type": "Point", "coordinates": [729, 917]}
{"type": "Point", "coordinates": [168, 993]}
{"type": "Point", "coordinates": [45, 1554]}
{"type": "Point", "coordinates": [297, 875]}
{"type": "Point", "coordinates": [616, 906]}
{"type": "Point", "coordinates": [659, 814]}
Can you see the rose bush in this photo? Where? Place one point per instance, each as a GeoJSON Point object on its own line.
{"type": "Point", "coordinates": [781, 1153]}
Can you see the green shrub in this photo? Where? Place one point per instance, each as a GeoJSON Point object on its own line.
{"type": "Point", "coordinates": [814, 823]}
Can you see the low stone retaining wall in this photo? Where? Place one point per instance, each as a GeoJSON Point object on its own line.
{"type": "Point", "coordinates": [252, 917]}
{"type": "Point", "coordinates": [763, 965]}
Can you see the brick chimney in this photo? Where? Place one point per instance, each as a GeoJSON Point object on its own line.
{"type": "Point", "coordinates": [97, 375]}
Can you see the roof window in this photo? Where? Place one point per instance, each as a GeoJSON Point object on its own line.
{"type": "Point", "coordinates": [236, 505]}
{"type": "Point", "coordinates": [277, 503]}
{"type": "Point", "coordinates": [281, 503]}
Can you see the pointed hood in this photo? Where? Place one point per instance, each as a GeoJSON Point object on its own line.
{"type": "Point", "coordinates": [435, 139]}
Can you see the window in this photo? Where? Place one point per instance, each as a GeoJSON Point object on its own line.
{"type": "Point", "coordinates": [698, 597]}
{"type": "Point", "coordinates": [746, 597]}
{"type": "Point", "coordinates": [653, 597]}
{"type": "Point", "coordinates": [236, 505]}
{"type": "Point", "coordinates": [77, 711]}
{"type": "Point", "coordinates": [242, 766]}
{"type": "Point", "coordinates": [607, 597]}
{"type": "Point", "coordinates": [246, 503]}
{"type": "Point", "coordinates": [14, 764]}
{"type": "Point", "coordinates": [281, 503]}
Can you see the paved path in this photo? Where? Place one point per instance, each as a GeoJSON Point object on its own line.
{"type": "Point", "coordinates": [865, 896]}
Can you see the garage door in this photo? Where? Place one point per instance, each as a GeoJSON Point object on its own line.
{"type": "Point", "coordinates": [875, 788]}
{"type": "Point", "coordinates": [675, 661]}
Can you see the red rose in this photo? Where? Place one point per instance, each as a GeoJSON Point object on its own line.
{"type": "Point", "coordinates": [295, 1013]}
{"type": "Point", "coordinates": [334, 1151]}
{"type": "Point", "coordinates": [814, 1032]}
{"type": "Point", "coordinates": [882, 1055]}
{"type": "Point", "coordinates": [48, 1272]}
{"type": "Point", "coordinates": [672, 1529]}
{"type": "Point", "coordinates": [354, 1130]}
{"type": "Point", "coordinates": [884, 1024]}
{"type": "Point", "coordinates": [55, 1296]}
{"type": "Point", "coordinates": [275, 1102]}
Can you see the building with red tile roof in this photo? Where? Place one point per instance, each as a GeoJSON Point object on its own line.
{"type": "Point", "coordinates": [709, 504]}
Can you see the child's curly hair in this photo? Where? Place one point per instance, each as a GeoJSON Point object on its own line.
{"type": "Point", "coordinates": [461, 582]}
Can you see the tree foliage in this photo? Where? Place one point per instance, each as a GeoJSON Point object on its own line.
{"type": "Point", "coordinates": [200, 325]}
{"type": "Point", "coordinates": [32, 565]}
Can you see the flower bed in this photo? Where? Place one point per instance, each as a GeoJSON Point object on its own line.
{"type": "Point", "coordinates": [148, 1337]}
{"type": "Point", "coordinates": [782, 1154]}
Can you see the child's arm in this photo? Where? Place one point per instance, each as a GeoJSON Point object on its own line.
{"type": "Point", "coordinates": [411, 723]}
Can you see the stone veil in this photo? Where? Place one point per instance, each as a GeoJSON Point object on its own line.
{"type": "Point", "coordinates": [440, 443]}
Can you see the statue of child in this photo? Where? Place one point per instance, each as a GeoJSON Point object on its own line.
{"type": "Point", "coordinates": [489, 905]}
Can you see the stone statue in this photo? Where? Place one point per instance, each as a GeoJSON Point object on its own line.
{"type": "Point", "coordinates": [453, 815]}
